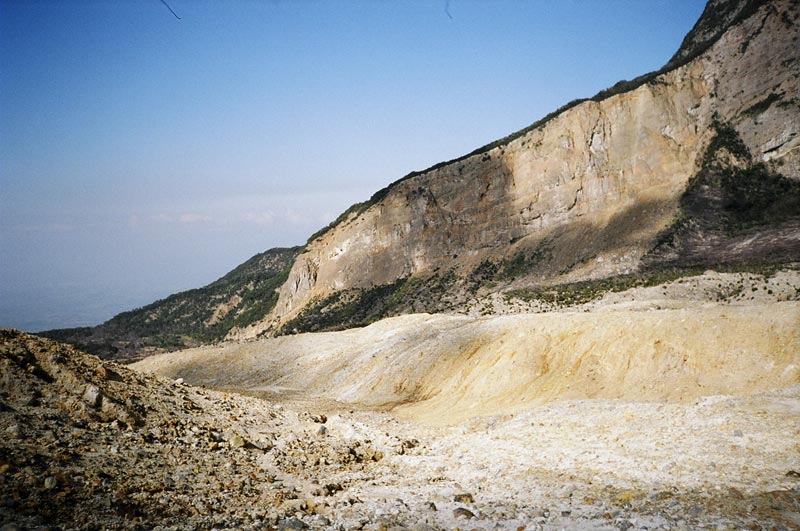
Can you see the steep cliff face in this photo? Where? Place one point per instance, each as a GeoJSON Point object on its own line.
{"type": "Point", "coordinates": [587, 170]}
{"type": "Point", "coordinates": [754, 68]}
{"type": "Point", "coordinates": [586, 194]}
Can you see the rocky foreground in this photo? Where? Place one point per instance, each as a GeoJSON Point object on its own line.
{"type": "Point", "coordinates": [88, 444]}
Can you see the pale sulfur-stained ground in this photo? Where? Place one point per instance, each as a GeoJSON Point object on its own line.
{"type": "Point", "coordinates": [682, 413]}
{"type": "Point", "coordinates": [658, 409]}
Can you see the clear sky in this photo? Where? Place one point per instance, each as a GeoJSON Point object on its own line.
{"type": "Point", "coordinates": [142, 155]}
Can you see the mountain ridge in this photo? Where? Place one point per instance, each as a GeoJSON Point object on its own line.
{"type": "Point", "coordinates": [188, 318]}
{"type": "Point", "coordinates": [593, 326]}
{"type": "Point", "coordinates": [593, 188]}
{"type": "Point", "coordinates": [733, 12]}
{"type": "Point", "coordinates": [600, 188]}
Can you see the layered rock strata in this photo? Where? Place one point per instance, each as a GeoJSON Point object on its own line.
{"type": "Point", "coordinates": [593, 187]}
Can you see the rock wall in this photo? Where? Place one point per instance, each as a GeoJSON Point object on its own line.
{"type": "Point", "coordinates": [593, 186]}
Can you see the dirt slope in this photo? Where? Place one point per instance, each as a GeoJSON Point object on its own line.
{"type": "Point", "coordinates": [444, 369]}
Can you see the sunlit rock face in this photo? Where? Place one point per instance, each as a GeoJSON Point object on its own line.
{"type": "Point", "coordinates": [591, 188]}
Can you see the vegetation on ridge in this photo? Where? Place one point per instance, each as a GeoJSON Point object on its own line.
{"type": "Point", "coordinates": [576, 293]}
{"type": "Point", "coordinates": [730, 196]}
{"type": "Point", "coordinates": [242, 297]}
{"type": "Point", "coordinates": [358, 307]}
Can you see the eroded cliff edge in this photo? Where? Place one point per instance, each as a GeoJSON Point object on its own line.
{"type": "Point", "coordinates": [592, 192]}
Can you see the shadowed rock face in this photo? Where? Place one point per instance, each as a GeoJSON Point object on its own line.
{"type": "Point", "coordinates": [577, 173]}
{"type": "Point", "coordinates": [596, 184]}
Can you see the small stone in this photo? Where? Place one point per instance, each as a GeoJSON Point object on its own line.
{"type": "Point", "coordinates": [33, 401]}
{"type": "Point", "coordinates": [292, 523]}
{"type": "Point", "coordinates": [463, 498]}
{"type": "Point", "coordinates": [310, 506]}
{"type": "Point", "coordinates": [332, 488]}
{"type": "Point", "coordinates": [461, 512]}
{"type": "Point", "coordinates": [294, 506]}
{"type": "Point", "coordinates": [793, 474]}
{"type": "Point", "coordinates": [93, 396]}
{"type": "Point", "coordinates": [108, 374]}
{"type": "Point", "coordinates": [322, 430]}
{"type": "Point", "coordinates": [13, 431]}
{"type": "Point", "coordinates": [429, 506]}
{"type": "Point", "coordinates": [738, 433]}
{"type": "Point", "coordinates": [626, 496]}
{"type": "Point", "coordinates": [178, 381]}
{"type": "Point", "coordinates": [320, 520]}
{"type": "Point", "coordinates": [237, 441]}
{"type": "Point", "coordinates": [735, 493]}
{"type": "Point", "coordinates": [50, 483]}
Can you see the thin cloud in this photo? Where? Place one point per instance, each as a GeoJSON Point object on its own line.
{"type": "Point", "coordinates": [191, 218]}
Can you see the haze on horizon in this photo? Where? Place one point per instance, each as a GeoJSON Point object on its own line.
{"type": "Point", "coordinates": [141, 155]}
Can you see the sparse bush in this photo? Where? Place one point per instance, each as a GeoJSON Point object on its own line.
{"type": "Point", "coordinates": [361, 306]}
{"type": "Point", "coordinates": [182, 319]}
{"type": "Point", "coordinates": [729, 198]}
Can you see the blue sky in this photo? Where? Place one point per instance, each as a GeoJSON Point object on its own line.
{"type": "Point", "coordinates": [142, 155]}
